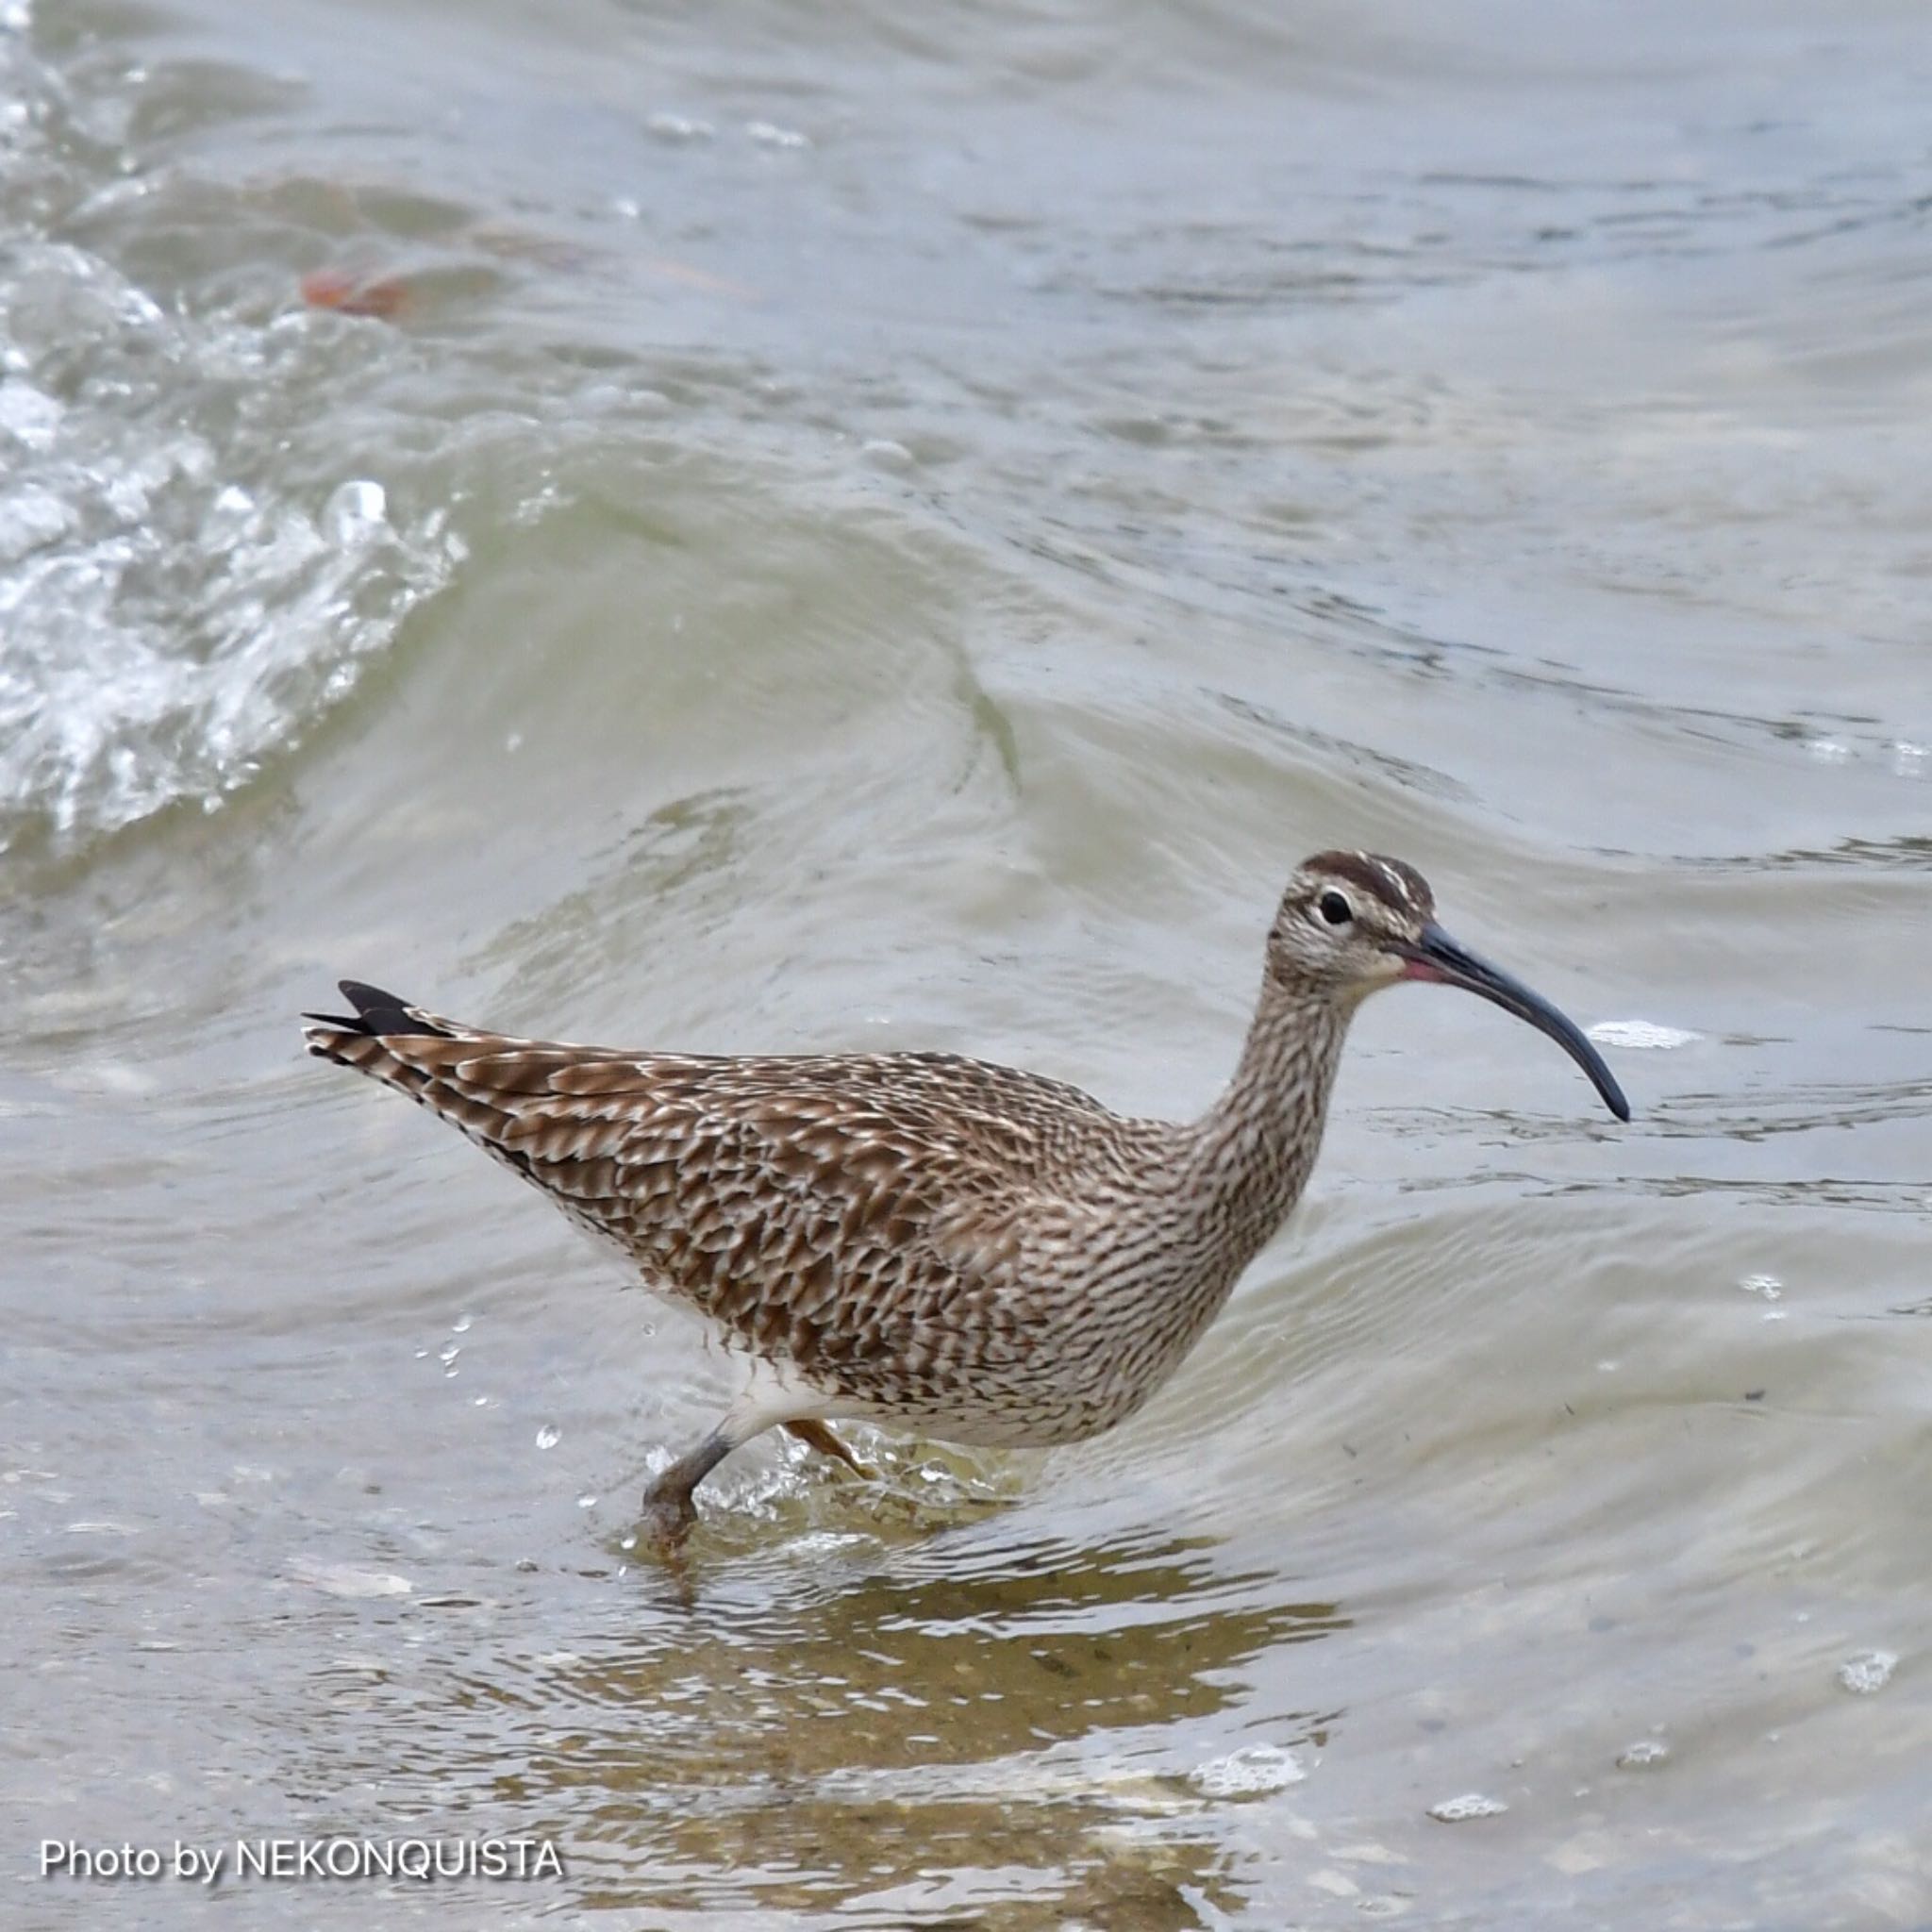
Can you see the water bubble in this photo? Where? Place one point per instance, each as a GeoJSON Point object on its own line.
{"type": "Point", "coordinates": [356, 513]}
{"type": "Point", "coordinates": [1908, 760]}
{"type": "Point", "coordinates": [460, 1325]}
{"type": "Point", "coordinates": [587, 1501]}
{"type": "Point", "coordinates": [1250, 1773]}
{"type": "Point", "coordinates": [1470, 1805]}
{"type": "Point", "coordinates": [549, 1436]}
{"type": "Point", "coordinates": [1869, 1671]}
{"type": "Point", "coordinates": [230, 518]}
{"type": "Point", "coordinates": [882, 453]}
{"type": "Point", "coordinates": [1769, 1286]}
{"type": "Point", "coordinates": [449, 1352]}
{"type": "Point", "coordinates": [767, 134]}
{"type": "Point", "coordinates": [1641, 1755]}
{"type": "Point", "coordinates": [1828, 751]}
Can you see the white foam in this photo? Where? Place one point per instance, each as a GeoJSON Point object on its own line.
{"type": "Point", "coordinates": [679, 127]}
{"type": "Point", "coordinates": [178, 601]}
{"type": "Point", "coordinates": [1870, 1670]}
{"type": "Point", "coordinates": [30, 518]}
{"type": "Point", "coordinates": [1252, 1773]}
{"type": "Point", "coordinates": [1641, 1036]}
{"type": "Point", "coordinates": [1470, 1805]}
{"type": "Point", "coordinates": [28, 415]}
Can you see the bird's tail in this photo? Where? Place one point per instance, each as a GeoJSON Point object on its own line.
{"type": "Point", "coordinates": [358, 1041]}
{"type": "Point", "coordinates": [475, 1079]}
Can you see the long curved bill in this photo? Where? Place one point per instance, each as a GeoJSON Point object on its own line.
{"type": "Point", "coordinates": [1436, 957]}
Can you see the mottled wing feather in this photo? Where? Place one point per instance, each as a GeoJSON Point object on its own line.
{"type": "Point", "coordinates": [861, 1215]}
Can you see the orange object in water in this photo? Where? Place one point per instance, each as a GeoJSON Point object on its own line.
{"type": "Point", "coordinates": [328, 287]}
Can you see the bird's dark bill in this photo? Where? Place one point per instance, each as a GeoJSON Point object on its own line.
{"type": "Point", "coordinates": [1436, 957]}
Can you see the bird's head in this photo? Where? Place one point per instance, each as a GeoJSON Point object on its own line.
{"type": "Point", "coordinates": [1351, 923]}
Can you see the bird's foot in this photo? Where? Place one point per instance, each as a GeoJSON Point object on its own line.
{"type": "Point", "coordinates": [669, 1515]}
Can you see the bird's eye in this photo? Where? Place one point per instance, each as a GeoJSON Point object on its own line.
{"type": "Point", "coordinates": [1336, 909]}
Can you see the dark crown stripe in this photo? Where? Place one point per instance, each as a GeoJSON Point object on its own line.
{"type": "Point", "coordinates": [1370, 874]}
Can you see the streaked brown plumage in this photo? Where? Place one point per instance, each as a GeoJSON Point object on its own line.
{"type": "Point", "coordinates": [925, 1239]}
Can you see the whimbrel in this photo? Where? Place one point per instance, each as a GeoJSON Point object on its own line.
{"type": "Point", "coordinates": [922, 1239]}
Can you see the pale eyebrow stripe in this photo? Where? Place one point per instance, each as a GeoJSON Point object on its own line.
{"type": "Point", "coordinates": [1398, 885]}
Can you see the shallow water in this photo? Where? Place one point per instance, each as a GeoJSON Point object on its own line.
{"type": "Point", "coordinates": [900, 530]}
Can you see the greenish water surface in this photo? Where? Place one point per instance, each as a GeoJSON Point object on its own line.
{"type": "Point", "coordinates": [898, 527]}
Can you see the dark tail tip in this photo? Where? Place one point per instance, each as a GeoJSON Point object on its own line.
{"type": "Point", "coordinates": [377, 1014]}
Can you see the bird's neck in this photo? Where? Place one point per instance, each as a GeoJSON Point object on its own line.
{"type": "Point", "coordinates": [1255, 1146]}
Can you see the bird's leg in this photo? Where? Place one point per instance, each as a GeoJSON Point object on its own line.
{"type": "Point", "coordinates": [815, 1434]}
{"type": "Point", "coordinates": [669, 1511]}
{"type": "Point", "coordinates": [766, 1398]}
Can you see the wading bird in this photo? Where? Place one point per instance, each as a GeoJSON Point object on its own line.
{"type": "Point", "coordinates": [922, 1239]}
